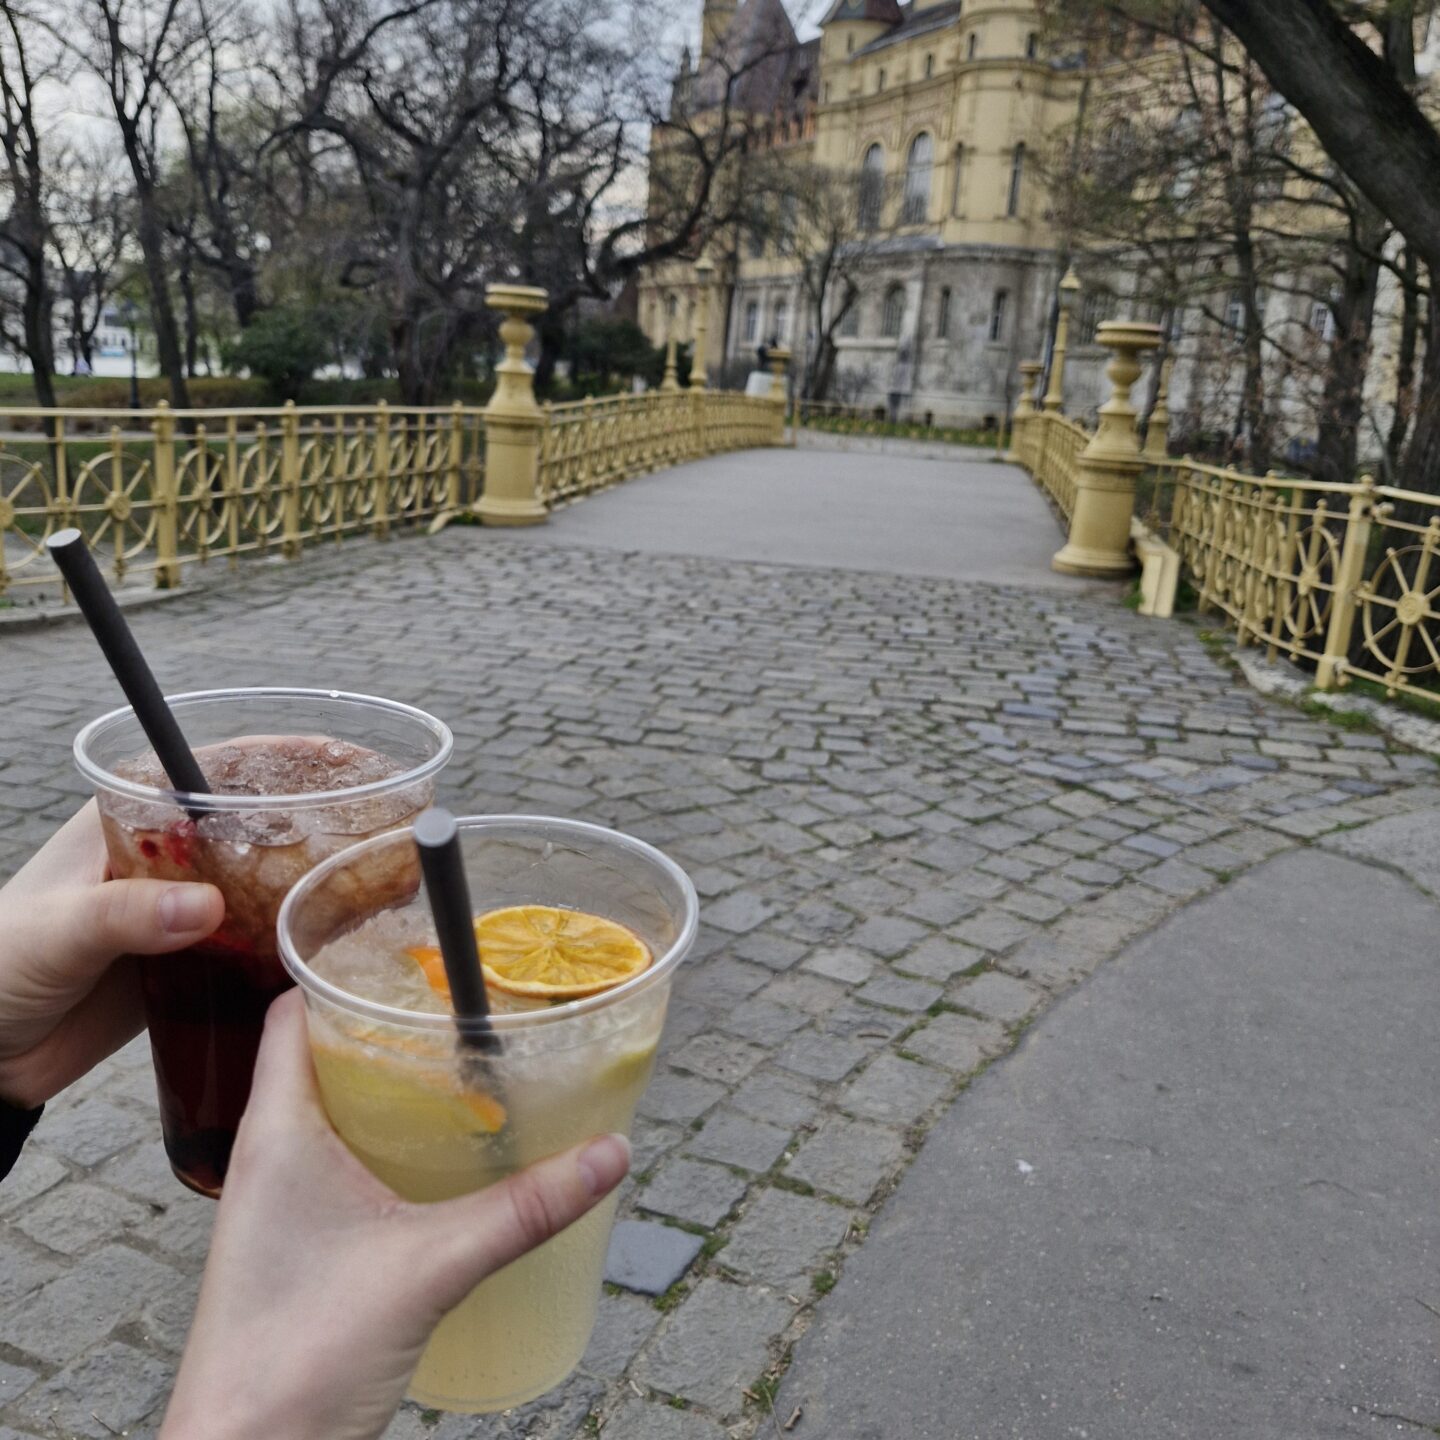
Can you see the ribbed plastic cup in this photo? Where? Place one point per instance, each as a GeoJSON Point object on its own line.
{"type": "Point", "coordinates": [205, 1006]}
{"type": "Point", "coordinates": [434, 1120]}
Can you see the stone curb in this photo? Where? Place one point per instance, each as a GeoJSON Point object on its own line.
{"type": "Point", "coordinates": [41, 617]}
{"type": "Point", "coordinates": [1273, 678]}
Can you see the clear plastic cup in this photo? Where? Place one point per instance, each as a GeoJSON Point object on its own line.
{"type": "Point", "coordinates": [205, 1006]}
{"type": "Point", "coordinates": [434, 1122]}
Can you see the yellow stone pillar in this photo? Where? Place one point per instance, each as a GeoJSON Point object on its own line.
{"type": "Point", "coordinates": [779, 359]}
{"type": "Point", "coordinates": [671, 382]}
{"type": "Point", "coordinates": [704, 273]}
{"type": "Point", "coordinates": [1105, 472]}
{"type": "Point", "coordinates": [1157, 436]}
{"type": "Point", "coordinates": [167, 507]}
{"type": "Point", "coordinates": [512, 418]}
{"type": "Point", "coordinates": [1024, 412]}
{"type": "Point", "coordinates": [1055, 392]}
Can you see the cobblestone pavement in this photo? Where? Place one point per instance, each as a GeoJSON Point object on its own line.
{"type": "Point", "coordinates": [916, 810]}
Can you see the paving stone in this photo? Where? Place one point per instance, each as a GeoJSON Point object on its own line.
{"type": "Point", "coordinates": [736, 1139]}
{"type": "Point", "coordinates": [165, 1320]}
{"type": "Point", "coordinates": [89, 1133]}
{"type": "Point", "coordinates": [848, 1158]}
{"type": "Point", "coordinates": [83, 1305]}
{"type": "Point", "coordinates": [782, 1237]}
{"type": "Point", "coordinates": [14, 1381]}
{"type": "Point", "coordinates": [73, 1217]}
{"type": "Point", "coordinates": [897, 993]}
{"type": "Point", "coordinates": [958, 1042]}
{"type": "Point", "coordinates": [738, 913]}
{"type": "Point", "coordinates": [678, 1097]}
{"type": "Point", "coordinates": [714, 1345]}
{"type": "Point", "coordinates": [23, 1269]}
{"type": "Point", "coordinates": [939, 958]}
{"type": "Point", "coordinates": [721, 1058]}
{"type": "Point", "coordinates": [847, 966]}
{"type": "Point", "coordinates": [778, 1096]}
{"type": "Point", "coordinates": [621, 1328]}
{"type": "Point", "coordinates": [143, 1172]}
{"type": "Point", "coordinates": [690, 1190]}
{"type": "Point", "coordinates": [886, 935]}
{"type": "Point", "coordinates": [639, 1419]}
{"type": "Point", "coordinates": [993, 930]}
{"type": "Point", "coordinates": [102, 1394]}
{"type": "Point", "coordinates": [762, 1022]}
{"type": "Point", "coordinates": [31, 1176]}
{"type": "Point", "coordinates": [998, 997]}
{"type": "Point", "coordinates": [821, 1057]}
{"type": "Point", "coordinates": [894, 1090]}
{"type": "Point", "coordinates": [647, 1257]}
{"type": "Point", "coordinates": [1175, 877]}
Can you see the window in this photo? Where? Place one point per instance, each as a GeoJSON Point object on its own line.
{"type": "Point", "coordinates": [872, 188]}
{"type": "Point", "coordinates": [780, 329]}
{"type": "Point", "coordinates": [827, 92]}
{"type": "Point", "coordinates": [1095, 309]}
{"type": "Point", "coordinates": [957, 178]}
{"type": "Point", "coordinates": [917, 180]}
{"type": "Point", "coordinates": [972, 45]}
{"type": "Point", "coordinates": [1032, 45]}
{"type": "Point", "coordinates": [893, 313]}
{"type": "Point", "coordinates": [850, 320]}
{"type": "Point", "coordinates": [879, 79]}
{"type": "Point", "coordinates": [997, 314]}
{"type": "Point", "coordinates": [1017, 173]}
{"type": "Point", "coordinates": [785, 221]}
{"type": "Point", "coordinates": [849, 44]}
{"type": "Point", "coordinates": [1322, 319]}
{"type": "Point", "coordinates": [929, 66]}
{"type": "Point", "coordinates": [755, 242]}
{"type": "Point", "coordinates": [672, 304]}
{"type": "Point", "coordinates": [942, 315]}
{"type": "Point", "coordinates": [1235, 314]}
{"type": "Point", "coordinates": [752, 318]}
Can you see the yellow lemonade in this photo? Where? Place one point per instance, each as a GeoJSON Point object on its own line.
{"type": "Point", "coordinates": [434, 1124]}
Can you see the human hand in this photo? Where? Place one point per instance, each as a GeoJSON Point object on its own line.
{"type": "Point", "coordinates": [65, 1002]}
{"type": "Point", "coordinates": [322, 1285]}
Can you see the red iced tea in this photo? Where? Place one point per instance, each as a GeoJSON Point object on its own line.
{"type": "Point", "coordinates": [205, 1006]}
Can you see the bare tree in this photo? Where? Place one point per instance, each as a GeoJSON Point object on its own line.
{"type": "Point", "coordinates": [90, 234]}
{"type": "Point", "coordinates": [28, 59]}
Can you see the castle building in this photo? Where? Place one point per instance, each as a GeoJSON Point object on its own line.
{"type": "Point", "coordinates": [943, 108]}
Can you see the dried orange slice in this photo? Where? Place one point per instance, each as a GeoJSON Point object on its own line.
{"type": "Point", "coordinates": [545, 953]}
{"type": "Point", "coordinates": [551, 954]}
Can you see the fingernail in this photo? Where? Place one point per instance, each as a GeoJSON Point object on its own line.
{"type": "Point", "coordinates": [186, 907]}
{"type": "Point", "coordinates": [603, 1163]}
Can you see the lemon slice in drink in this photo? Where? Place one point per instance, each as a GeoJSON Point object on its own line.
{"type": "Point", "coordinates": [544, 953]}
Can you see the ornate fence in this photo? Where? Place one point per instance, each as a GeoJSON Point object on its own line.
{"type": "Point", "coordinates": [589, 444]}
{"type": "Point", "coordinates": [156, 491]}
{"type": "Point", "coordinates": [1343, 577]}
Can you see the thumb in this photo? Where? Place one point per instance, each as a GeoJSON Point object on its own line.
{"type": "Point", "coordinates": [86, 928]}
{"type": "Point", "coordinates": [476, 1235]}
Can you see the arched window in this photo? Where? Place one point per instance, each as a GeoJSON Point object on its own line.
{"type": "Point", "coordinates": [1017, 174]}
{"type": "Point", "coordinates": [917, 180]}
{"type": "Point", "coordinates": [957, 179]}
{"type": "Point", "coordinates": [850, 320]}
{"type": "Point", "coordinates": [972, 45]}
{"type": "Point", "coordinates": [893, 313]}
{"type": "Point", "coordinates": [780, 329]}
{"type": "Point", "coordinates": [872, 188]}
{"type": "Point", "coordinates": [880, 79]}
{"type": "Point", "coordinates": [752, 318]}
{"type": "Point", "coordinates": [1032, 45]}
{"type": "Point", "coordinates": [942, 316]}
{"type": "Point", "coordinates": [929, 66]}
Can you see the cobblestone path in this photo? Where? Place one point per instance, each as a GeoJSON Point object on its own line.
{"type": "Point", "coordinates": [916, 810]}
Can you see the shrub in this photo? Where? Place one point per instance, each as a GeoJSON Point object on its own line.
{"type": "Point", "coordinates": [284, 346]}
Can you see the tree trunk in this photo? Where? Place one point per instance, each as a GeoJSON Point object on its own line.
{"type": "Point", "coordinates": [1405, 357]}
{"type": "Point", "coordinates": [1343, 398]}
{"type": "Point", "coordinates": [39, 334]}
{"type": "Point", "coordinates": [152, 249]}
{"type": "Point", "coordinates": [192, 318]}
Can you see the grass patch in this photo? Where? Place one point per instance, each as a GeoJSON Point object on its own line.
{"type": "Point", "coordinates": [671, 1298]}
{"type": "Point", "coordinates": [430, 1417]}
{"type": "Point", "coordinates": [795, 1187]}
{"type": "Point", "coordinates": [824, 1282]}
{"type": "Point", "coordinates": [1340, 719]}
{"type": "Point", "coordinates": [679, 1402]}
{"type": "Point", "coordinates": [1417, 704]}
{"type": "Point", "coordinates": [764, 1391]}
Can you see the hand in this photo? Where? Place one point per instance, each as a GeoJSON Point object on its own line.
{"type": "Point", "coordinates": [65, 1003]}
{"type": "Point", "coordinates": [322, 1285]}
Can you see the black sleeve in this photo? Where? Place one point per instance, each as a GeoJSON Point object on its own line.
{"type": "Point", "coordinates": [15, 1128]}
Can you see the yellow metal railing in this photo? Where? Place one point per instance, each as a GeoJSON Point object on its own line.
{"type": "Point", "coordinates": [1048, 445]}
{"type": "Point", "coordinates": [156, 491]}
{"type": "Point", "coordinates": [586, 445]}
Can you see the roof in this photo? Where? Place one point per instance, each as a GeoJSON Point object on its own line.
{"type": "Point", "coordinates": [886, 12]}
{"type": "Point", "coordinates": [760, 62]}
{"type": "Point", "coordinates": [913, 23]}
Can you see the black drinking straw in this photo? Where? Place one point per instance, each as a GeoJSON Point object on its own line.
{"type": "Point", "coordinates": [156, 718]}
{"type": "Point", "coordinates": [437, 837]}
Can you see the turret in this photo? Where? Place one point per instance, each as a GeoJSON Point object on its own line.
{"type": "Point", "coordinates": [853, 24]}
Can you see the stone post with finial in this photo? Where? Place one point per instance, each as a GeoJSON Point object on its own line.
{"type": "Point", "coordinates": [1055, 391]}
{"type": "Point", "coordinates": [513, 420]}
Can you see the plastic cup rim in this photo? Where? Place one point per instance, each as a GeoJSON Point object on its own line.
{"type": "Point", "coordinates": [659, 968]}
{"type": "Point", "coordinates": [105, 779]}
